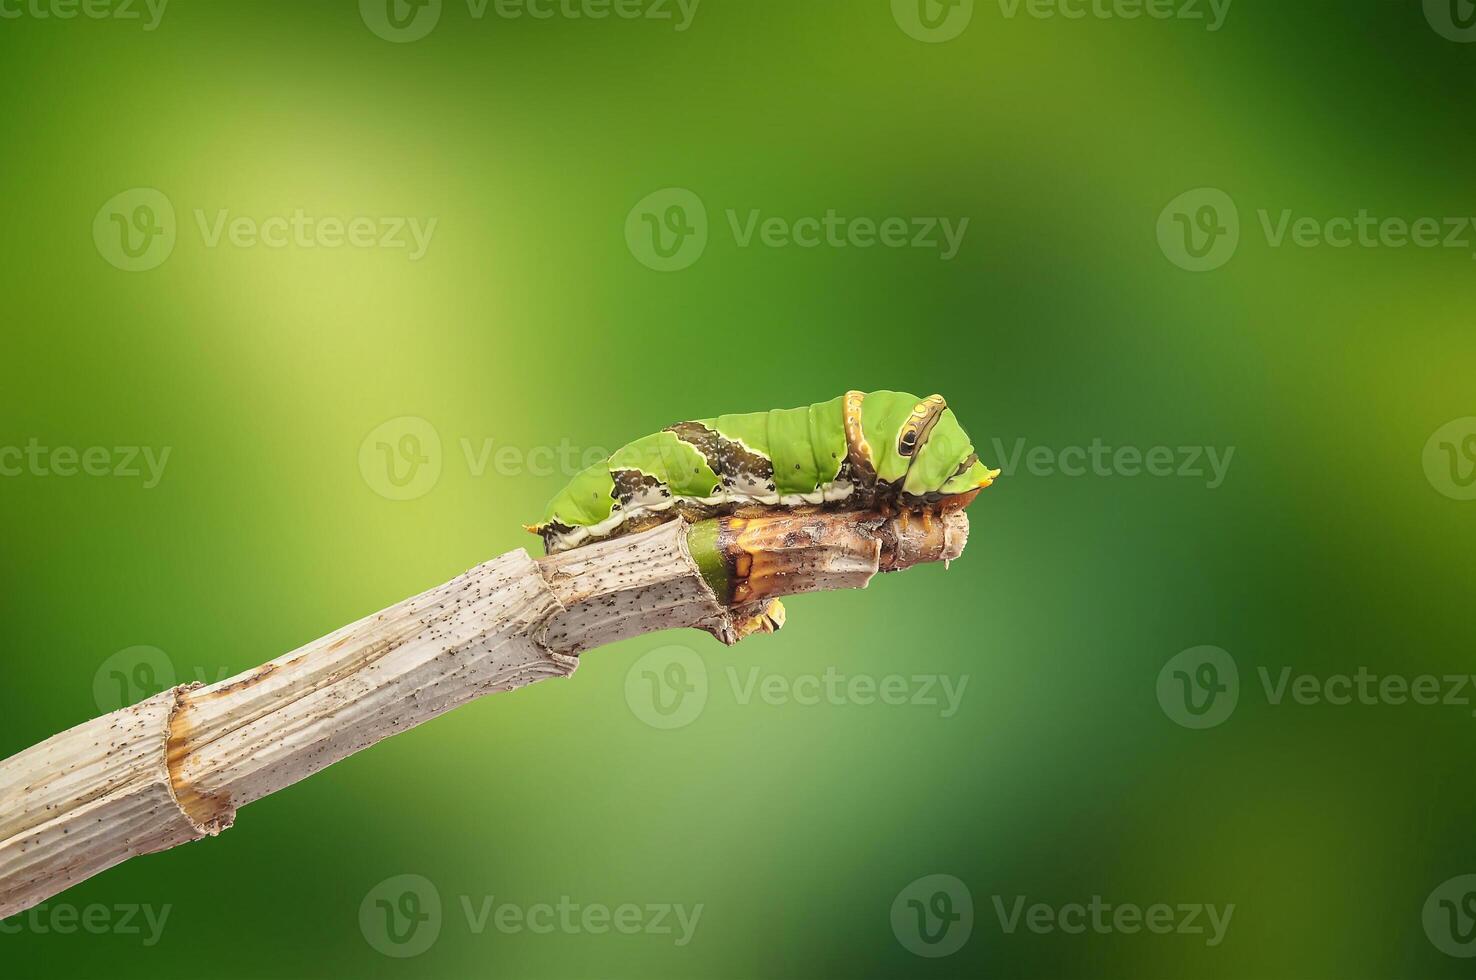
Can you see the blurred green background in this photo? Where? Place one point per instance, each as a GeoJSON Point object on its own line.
{"type": "Point", "coordinates": [534, 328]}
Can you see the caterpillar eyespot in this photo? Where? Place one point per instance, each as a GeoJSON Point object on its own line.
{"type": "Point", "coordinates": [857, 451]}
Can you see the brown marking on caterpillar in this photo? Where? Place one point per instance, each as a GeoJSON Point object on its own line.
{"type": "Point", "coordinates": [630, 482]}
{"type": "Point", "coordinates": [550, 533]}
{"type": "Point", "coordinates": [728, 459]}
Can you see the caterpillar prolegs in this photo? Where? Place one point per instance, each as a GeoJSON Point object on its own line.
{"type": "Point", "coordinates": [858, 451]}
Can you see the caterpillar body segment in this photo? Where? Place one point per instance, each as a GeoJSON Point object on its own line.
{"type": "Point", "coordinates": [858, 451]}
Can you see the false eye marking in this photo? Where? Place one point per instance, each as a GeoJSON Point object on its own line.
{"type": "Point", "coordinates": [857, 451]}
{"type": "Point", "coordinates": [915, 430]}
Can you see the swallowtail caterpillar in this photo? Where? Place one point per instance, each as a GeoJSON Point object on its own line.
{"type": "Point", "coordinates": [861, 451]}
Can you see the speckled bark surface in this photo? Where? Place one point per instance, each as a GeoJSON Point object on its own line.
{"type": "Point", "coordinates": [87, 799]}
{"type": "Point", "coordinates": [251, 735]}
{"type": "Point", "coordinates": [176, 767]}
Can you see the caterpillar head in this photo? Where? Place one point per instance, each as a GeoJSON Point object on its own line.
{"type": "Point", "coordinates": [940, 458]}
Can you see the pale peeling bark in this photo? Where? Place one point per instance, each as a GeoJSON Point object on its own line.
{"type": "Point", "coordinates": [176, 767]}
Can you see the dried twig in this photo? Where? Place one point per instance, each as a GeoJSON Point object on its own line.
{"type": "Point", "coordinates": [175, 768]}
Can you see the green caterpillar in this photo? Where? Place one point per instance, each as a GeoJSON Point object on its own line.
{"type": "Point", "coordinates": [858, 451]}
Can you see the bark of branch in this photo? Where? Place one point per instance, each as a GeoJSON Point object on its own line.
{"type": "Point", "coordinates": [175, 768]}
